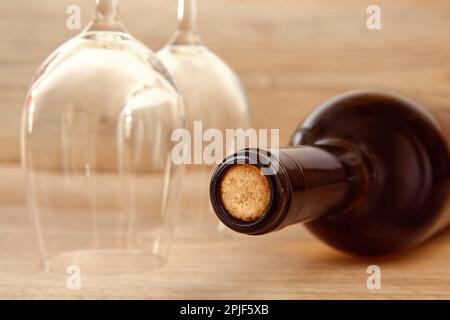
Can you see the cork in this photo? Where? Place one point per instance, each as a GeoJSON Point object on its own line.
{"type": "Point", "coordinates": [245, 192]}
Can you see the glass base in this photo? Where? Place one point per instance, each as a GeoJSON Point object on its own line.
{"type": "Point", "coordinates": [104, 262]}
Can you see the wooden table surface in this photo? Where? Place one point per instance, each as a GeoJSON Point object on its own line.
{"type": "Point", "coordinates": [291, 56]}
{"type": "Point", "coordinates": [290, 264]}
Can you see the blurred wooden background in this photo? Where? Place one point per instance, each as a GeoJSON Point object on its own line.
{"type": "Point", "coordinates": [291, 55]}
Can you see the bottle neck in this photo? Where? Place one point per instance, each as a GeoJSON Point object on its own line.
{"type": "Point", "coordinates": [186, 33]}
{"type": "Point", "coordinates": [306, 183]}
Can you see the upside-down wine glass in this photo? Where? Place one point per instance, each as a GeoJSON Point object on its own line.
{"type": "Point", "coordinates": [95, 141]}
{"type": "Point", "coordinates": [214, 99]}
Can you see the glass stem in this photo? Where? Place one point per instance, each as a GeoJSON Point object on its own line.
{"type": "Point", "coordinates": [187, 24]}
{"type": "Point", "coordinates": [106, 17]}
{"type": "Point", "coordinates": [107, 9]}
{"type": "Point", "coordinates": [187, 15]}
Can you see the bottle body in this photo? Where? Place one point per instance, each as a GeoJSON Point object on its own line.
{"type": "Point", "coordinates": [405, 201]}
{"type": "Point", "coordinates": [391, 175]}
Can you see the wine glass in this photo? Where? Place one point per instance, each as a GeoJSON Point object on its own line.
{"type": "Point", "coordinates": [100, 106]}
{"type": "Point", "coordinates": [213, 98]}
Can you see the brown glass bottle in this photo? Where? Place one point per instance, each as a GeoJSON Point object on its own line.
{"type": "Point", "coordinates": [368, 173]}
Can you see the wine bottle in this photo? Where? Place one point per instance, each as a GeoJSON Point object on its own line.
{"type": "Point", "coordinates": [367, 172]}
